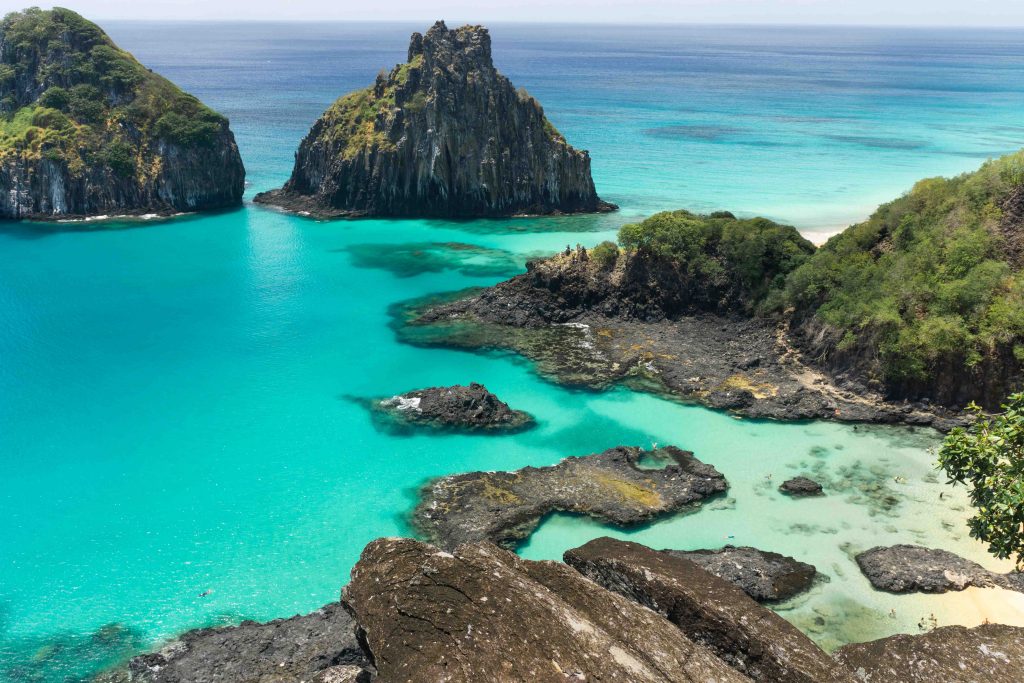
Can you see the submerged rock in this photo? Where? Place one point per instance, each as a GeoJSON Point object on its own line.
{"type": "Point", "coordinates": [505, 507]}
{"type": "Point", "coordinates": [482, 614]}
{"type": "Point", "coordinates": [914, 569]}
{"type": "Point", "coordinates": [801, 486]}
{"type": "Point", "coordinates": [93, 132]}
{"type": "Point", "coordinates": [442, 135]}
{"type": "Point", "coordinates": [320, 646]}
{"type": "Point", "coordinates": [470, 408]}
{"type": "Point", "coordinates": [991, 653]}
{"type": "Point", "coordinates": [764, 576]}
{"type": "Point", "coordinates": [711, 612]}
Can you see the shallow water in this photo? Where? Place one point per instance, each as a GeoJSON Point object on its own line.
{"type": "Point", "coordinates": [175, 412]}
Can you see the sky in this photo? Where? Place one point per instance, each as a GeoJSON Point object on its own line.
{"type": "Point", "coordinates": [857, 12]}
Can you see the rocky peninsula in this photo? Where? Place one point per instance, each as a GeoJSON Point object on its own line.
{"type": "Point", "coordinates": [442, 135]}
{"type": "Point", "coordinates": [470, 408]}
{"type": "Point", "coordinates": [86, 130]}
{"type": "Point", "coordinates": [615, 611]}
{"type": "Point", "coordinates": [913, 569]}
{"type": "Point", "coordinates": [505, 507]}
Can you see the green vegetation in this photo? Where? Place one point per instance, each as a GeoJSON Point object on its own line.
{"type": "Point", "coordinates": [605, 254]}
{"type": "Point", "coordinates": [67, 93]}
{"type": "Point", "coordinates": [745, 260]}
{"type": "Point", "coordinates": [988, 457]}
{"type": "Point", "coordinates": [928, 284]}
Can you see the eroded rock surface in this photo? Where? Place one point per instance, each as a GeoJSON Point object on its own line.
{"type": "Point", "coordinates": [470, 408]}
{"type": "Point", "coordinates": [991, 653]}
{"type": "Point", "coordinates": [764, 576]}
{"type": "Point", "coordinates": [914, 569]}
{"type": "Point", "coordinates": [801, 486]}
{"type": "Point", "coordinates": [322, 643]}
{"type": "Point", "coordinates": [442, 135]}
{"type": "Point", "coordinates": [483, 614]}
{"type": "Point", "coordinates": [505, 507]}
{"type": "Point", "coordinates": [710, 611]}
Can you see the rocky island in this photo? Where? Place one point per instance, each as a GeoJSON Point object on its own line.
{"type": "Point", "coordinates": [746, 315]}
{"type": "Point", "coordinates": [86, 130]}
{"type": "Point", "coordinates": [442, 135]}
{"type": "Point", "coordinates": [468, 408]}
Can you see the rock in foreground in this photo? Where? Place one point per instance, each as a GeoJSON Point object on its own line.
{"type": "Point", "coordinates": [483, 614]}
{"type": "Point", "coordinates": [914, 569]}
{"type": "Point", "coordinates": [992, 653]}
{"type": "Point", "coordinates": [442, 135]}
{"type": "Point", "coordinates": [801, 486]}
{"type": "Point", "coordinates": [470, 408]}
{"type": "Point", "coordinates": [86, 130]}
{"type": "Point", "coordinates": [764, 576]}
{"type": "Point", "coordinates": [322, 643]}
{"type": "Point", "coordinates": [711, 612]}
{"type": "Point", "coordinates": [505, 507]}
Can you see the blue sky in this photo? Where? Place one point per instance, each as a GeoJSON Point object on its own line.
{"type": "Point", "coordinates": [864, 12]}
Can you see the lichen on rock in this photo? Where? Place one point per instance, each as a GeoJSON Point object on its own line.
{"type": "Point", "coordinates": [443, 135]}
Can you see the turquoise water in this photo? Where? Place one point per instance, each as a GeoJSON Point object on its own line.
{"type": "Point", "coordinates": [176, 397]}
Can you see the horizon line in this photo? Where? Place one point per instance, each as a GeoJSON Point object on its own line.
{"type": "Point", "coordinates": [652, 23]}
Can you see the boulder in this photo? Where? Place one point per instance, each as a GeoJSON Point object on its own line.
{"type": "Point", "coordinates": [914, 569]}
{"type": "Point", "coordinates": [991, 653]}
{"type": "Point", "coordinates": [711, 612]}
{"type": "Point", "coordinates": [764, 576]}
{"type": "Point", "coordinates": [482, 614]}
{"type": "Point", "coordinates": [801, 486]}
{"type": "Point", "coordinates": [505, 507]}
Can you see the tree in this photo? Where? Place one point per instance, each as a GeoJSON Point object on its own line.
{"type": "Point", "coordinates": [988, 457]}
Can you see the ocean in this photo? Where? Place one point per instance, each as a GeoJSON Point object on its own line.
{"type": "Point", "coordinates": [181, 400]}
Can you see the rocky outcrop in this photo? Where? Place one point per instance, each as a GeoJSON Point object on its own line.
{"type": "Point", "coordinates": [710, 611]}
{"type": "Point", "coordinates": [764, 576]}
{"type": "Point", "coordinates": [465, 408]}
{"type": "Point", "coordinates": [799, 487]}
{"type": "Point", "coordinates": [991, 653]}
{"type": "Point", "coordinates": [914, 569]}
{"type": "Point", "coordinates": [590, 324]}
{"type": "Point", "coordinates": [92, 132]}
{"type": "Point", "coordinates": [505, 507]}
{"type": "Point", "coordinates": [482, 614]}
{"type": "Point", "coordinates": [442, 135]}
{"type": "Point", "coordinates": [319, 647]}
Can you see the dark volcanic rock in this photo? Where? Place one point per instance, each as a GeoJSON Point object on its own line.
{"type": "Point", "coordinates": [801, 486]}
{"type": "Point", "coordinates": [711, 612]}
{"type": "Point", "coordinates": [483, 614]}
{"type": "Point", "coordinates": [470, 408]}
{"type": "Point", "coordinates": [593, 325]}
{"type": "Point", "coordinates": [764, 576]}
{"type": "Point", "coordinates": [99, 133]}
{"type": "Point", "coordinates": [913, 569]}
{"type": "Point", "coordinates": [442, 135]}
{"type": "Point", "coordinates": [505, 507]}
{"type": "Point", "coordinates": [281, 651]}
{"type": "Point", "coordinates": [992, 653]}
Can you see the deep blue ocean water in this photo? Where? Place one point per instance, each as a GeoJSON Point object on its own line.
{"type": "Point", "coordinates": [176, 397]}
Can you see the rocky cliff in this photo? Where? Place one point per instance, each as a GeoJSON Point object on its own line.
{"type": "Point", "coordinates": [87, 130]}
{"type": "Point", "coordinates": [444, 135]}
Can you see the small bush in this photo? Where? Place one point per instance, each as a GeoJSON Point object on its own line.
{"type": "Point", "coordinates": [605, 254]}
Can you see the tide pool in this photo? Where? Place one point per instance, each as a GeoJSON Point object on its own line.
{"type": "Point", "coordinates": [176, 397]}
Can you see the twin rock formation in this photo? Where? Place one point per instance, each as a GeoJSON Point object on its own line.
{"type": "Point", "coordinates": [443, 135]}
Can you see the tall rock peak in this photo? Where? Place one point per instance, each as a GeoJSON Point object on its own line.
{"type": "Point", "coordinates": [444, 135]}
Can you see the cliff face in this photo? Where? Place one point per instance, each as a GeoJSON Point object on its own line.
{"type": "Point", "coordinates": [85, 129]}
{"type": "Point", "coordinates": [442, 135]}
